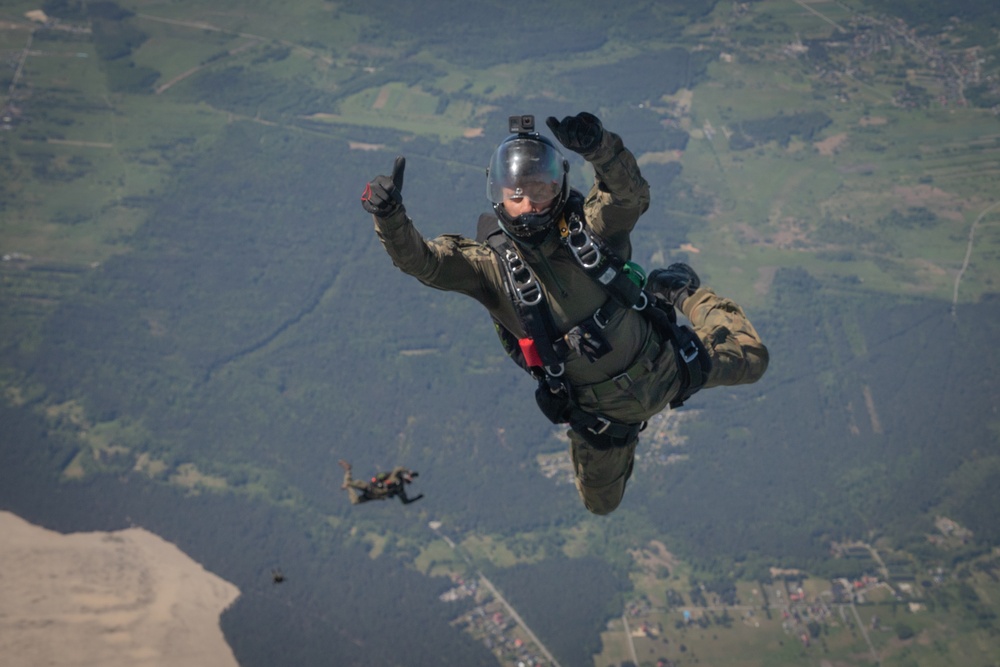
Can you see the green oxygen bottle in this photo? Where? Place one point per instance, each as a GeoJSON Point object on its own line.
{"type": "Point", "coordinates": [635, 273]}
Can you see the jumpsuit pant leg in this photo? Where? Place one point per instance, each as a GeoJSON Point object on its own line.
{"type": "Point", "coordinates": [601, 474]}
{"type": "Point", "coordinates": [738, 357]}
{"type": "Point", "coordinates": [355, 488]}
{"type": "Point", "coordinates": [737, 353]}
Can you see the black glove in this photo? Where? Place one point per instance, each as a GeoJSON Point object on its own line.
{"type": "Point", "coordinates": [581, 133]}
{"type": "Point", "coordinates": [384, 195]}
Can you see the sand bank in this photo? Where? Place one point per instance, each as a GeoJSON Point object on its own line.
{"type": "Point", "coordinates": [127, 598]}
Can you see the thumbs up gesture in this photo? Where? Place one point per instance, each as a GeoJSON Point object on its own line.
{"type": "Point", "coordinates": [384, 194]}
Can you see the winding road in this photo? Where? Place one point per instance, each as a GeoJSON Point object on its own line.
{"type": "Point", "coordinates": [968, 257]}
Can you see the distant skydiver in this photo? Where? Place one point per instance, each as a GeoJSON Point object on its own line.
{"type": "Point", "coordinates": [553, 269]}
{"type": "Point", "coordinates": [382, 486]}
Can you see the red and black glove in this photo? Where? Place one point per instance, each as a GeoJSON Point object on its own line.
{"type": "Point", "coordinates": [384, 195]}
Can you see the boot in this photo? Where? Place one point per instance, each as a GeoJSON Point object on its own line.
{"type": "Point", "coordinates": [674, 283]}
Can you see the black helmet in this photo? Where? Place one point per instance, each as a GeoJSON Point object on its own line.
{"type": "Point", "coordinates": [528, 165]}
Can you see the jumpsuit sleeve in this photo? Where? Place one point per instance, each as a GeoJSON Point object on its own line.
{"type": "Point", "coordinates": [450, 262]}
{"type": "Point", "coordinates": [619, 195]}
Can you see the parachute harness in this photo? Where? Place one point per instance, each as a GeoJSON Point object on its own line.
{"type": "Point", "coordinates": [543, 351]}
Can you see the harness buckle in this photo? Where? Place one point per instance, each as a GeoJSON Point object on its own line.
{"type": "Point", "coordinates": [604, 425]}
{"type": "Point", "coordinates": [524, 283]}
{"type": "Point", "coordinates": [643, 303]}
{"type": "Point", "coordinates": [582, 246]}
{"type": "Point", "coordinates": [622, 381]}
{"type": "Point", "coordinates": [600, 319]}
{"type": "Point", "coordinates": [689, 352]}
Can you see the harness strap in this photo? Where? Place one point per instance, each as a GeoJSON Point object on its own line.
{"type": "Point", "coordinates": [601, 432]}
{"type": "Point", "coordinates": [535, 315]}
{"type": "Point", "coordinates": [602, 265]}
{"type": "Point", "coordinates": [693, 362]}
{"type": "Point", "coordinates": [642, 364]}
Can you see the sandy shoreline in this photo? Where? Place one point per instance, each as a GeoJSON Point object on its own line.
{"type": "Point", "coordinates": [127, 598]}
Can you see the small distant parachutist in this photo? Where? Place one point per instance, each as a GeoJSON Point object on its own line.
{"type": "Point", "coordinates": [382, 486]}
{"type": "Point", "coordinates": [277, 576]}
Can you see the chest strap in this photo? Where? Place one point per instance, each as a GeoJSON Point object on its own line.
{"type": "Point", "coordinates": [620, 279]}
{"type": "Point", "coordinates": [544, 349]}
{"type": "Point", "coordinates": [539, 349]}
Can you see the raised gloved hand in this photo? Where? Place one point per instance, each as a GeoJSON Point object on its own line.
{"type": "Point", "coordinates": [674, 283]}
{"type": "Point", "coordinates": [581, 133]}
{"type": "Point", "coordinates": [384, 195]}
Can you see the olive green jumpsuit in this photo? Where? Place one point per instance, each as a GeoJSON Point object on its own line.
{"type": "Point", "coordinates": [635, 380]}
{"type": "Point", "coordinates": [361, 491]}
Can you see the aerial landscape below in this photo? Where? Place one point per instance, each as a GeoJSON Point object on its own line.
{"type": "Point", "coordinates": [198, 322]}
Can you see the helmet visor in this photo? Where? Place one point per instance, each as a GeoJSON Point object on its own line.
{"type": "Point", "coordinates": [525, 168]}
